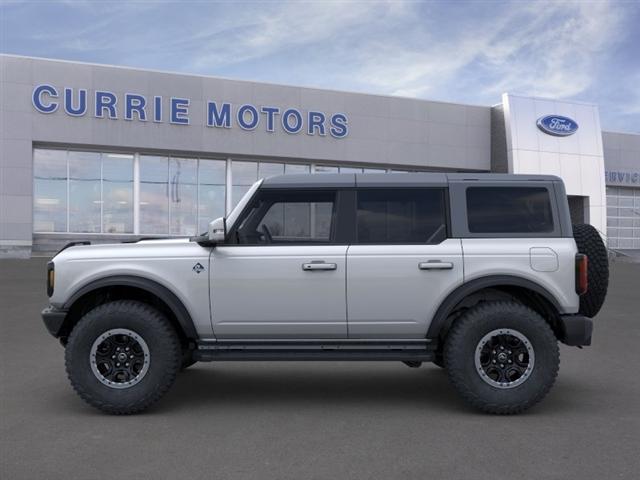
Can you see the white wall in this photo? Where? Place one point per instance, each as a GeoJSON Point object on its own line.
{"type": "Point", "coordinates": [577, 159]}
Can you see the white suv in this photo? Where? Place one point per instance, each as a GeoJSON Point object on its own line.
{"type": "Point", "coordinates": [482, 274]}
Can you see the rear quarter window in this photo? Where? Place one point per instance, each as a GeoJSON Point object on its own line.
{"type": "Point", "coordinates": [509, 210]}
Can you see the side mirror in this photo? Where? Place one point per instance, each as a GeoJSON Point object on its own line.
{"type": "Point", "coordinates": [218, 230]}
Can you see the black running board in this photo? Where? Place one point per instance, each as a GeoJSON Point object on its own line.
{"type": "Point", "coordinates": [403, 351]}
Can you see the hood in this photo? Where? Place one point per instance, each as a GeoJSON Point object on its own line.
{"type": "Point", "coordinates": [142, 248]}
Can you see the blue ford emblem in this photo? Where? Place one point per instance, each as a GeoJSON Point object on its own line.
{"type": "Point", "coordinates": [557, 125]}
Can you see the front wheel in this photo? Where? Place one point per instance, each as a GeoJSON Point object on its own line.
{"type": "Point", "coordinates": [122, 356]}
{"type": "Point", "coordinates": [502, 357]}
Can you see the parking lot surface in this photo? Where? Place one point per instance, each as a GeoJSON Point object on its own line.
{"type": "Point", "coordinates": [316, 420]}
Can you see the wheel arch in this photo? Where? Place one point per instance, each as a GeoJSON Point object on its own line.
{"type": "Point", "coordinates": [528, 292]}
{"type": "Point", "coordinates": [132, 287]}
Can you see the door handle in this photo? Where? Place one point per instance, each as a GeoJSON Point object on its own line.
{"type": "Point", "coordinates": [435, 265]}
{"type": "Point", "coordinates": [319, 266]}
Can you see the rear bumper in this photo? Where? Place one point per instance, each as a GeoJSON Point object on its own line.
{"type": "Point", "coordinates": [54, 320]}
{"type": "Point", "coordinates": [576, 330]}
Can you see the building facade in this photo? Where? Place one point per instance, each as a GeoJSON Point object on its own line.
{"type": "Point", "coordinates": [109, 154]}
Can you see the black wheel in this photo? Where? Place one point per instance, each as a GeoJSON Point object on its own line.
{"type": "Point", "coordinates": [187, 358]}
{"type": "Point", "coordinates": [590, 243]}
{"type": "Point", "coordinates": [502, 357]}
{"type": "Point", "coordinates": [122, 357]}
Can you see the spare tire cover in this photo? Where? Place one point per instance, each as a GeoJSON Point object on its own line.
{"type": "Point", "coordinates": [590, 243]}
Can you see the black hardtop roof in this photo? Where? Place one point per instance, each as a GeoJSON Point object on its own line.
{"type": "Point", "coordinates": [415, 179]}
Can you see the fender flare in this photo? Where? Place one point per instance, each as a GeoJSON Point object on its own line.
{"type": "Point", "coordinates": [440, 320]}
{"type": "Point", "coordinates": [163, 293]}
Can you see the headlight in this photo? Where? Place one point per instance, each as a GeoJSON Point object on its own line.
{"type": "Point", "coordinates": [51, 278]}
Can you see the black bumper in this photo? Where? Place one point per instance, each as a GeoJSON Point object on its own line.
{"type": "Point", "coordinates": [576, 330]}
{"type": "Point", "coordinates": [54, 320]}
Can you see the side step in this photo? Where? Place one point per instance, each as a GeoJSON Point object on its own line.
{"type": "Point", "coordinates": [316, 350]}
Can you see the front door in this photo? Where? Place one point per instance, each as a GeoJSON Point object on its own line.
{"type": "Point", "coordinates": [281, 275]}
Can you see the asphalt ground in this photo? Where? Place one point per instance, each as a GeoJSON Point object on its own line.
{"type": "Point", "coordinates": [316, 420]}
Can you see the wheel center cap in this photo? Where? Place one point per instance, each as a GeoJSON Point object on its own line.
{"type": "Point", "coordinates": [122, 357]}
{"type": "Point", "coordinates": [502, 357]}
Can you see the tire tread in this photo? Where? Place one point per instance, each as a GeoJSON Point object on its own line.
{"type": "Point", "coordinates": [162, 325]}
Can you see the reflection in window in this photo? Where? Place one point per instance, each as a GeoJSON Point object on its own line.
{"type": "Point", "coordinates": [85, 204]}
{"type": "Point", "coordinates": [509, 210]}
{"type": "Point", "coordinates": [154, 194]}
{"type": "Point", "coordinates": [117, 193]}
{"type": "Point", "coordinates": [244, 174]}
{"type": "Point", "coordinates": [350, 170]}
{"type": "Point", "coordinates": [414, 215]}
{"type": "Point", "coordinates": [292, 168]}
{"type": "Point", "coordinates": [211, 192]}
{"type": "Point", "coordinates": [266, 170]}
{"type": "Point", "coordinates": [326, 169]}
{"type": "Point", "coordinates": [183, 195]}
{"type": "Point", "coordinates": [49, 190]}
{"type": "Point", "coordinates": [288, 218]}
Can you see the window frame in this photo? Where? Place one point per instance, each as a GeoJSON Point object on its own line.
{"type": "Point", "coordinates": [445, 203]}
{"type": "Point", "coordinates": [335, 237]}
{"type": "Point", "coordinates": [459, 214]}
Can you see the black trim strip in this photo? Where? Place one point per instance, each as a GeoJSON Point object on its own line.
{"type": "Point", "coordinates": [440, 322]}
{"type": "Point", "coordinates": [160, 291]}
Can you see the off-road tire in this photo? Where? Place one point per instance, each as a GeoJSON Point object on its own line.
{"type": "Point", "coordinates": [464, 338]}
{"type": "Point", "coordinates": [164, 352]}
{"type": "Point", "coordinates": [590, 243]}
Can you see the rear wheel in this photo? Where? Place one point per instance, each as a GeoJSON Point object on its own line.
{"type": "Point", "coordinates": [502, 357]}
{"type": "Point", "coordinates": [122, 357]}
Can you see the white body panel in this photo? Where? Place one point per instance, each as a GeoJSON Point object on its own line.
{"type": "Point", "coordinates": [514, 256]}
{"type": "Point", "coordinates": [263, 292]}
{"type": "Point", "coordinates": [389, 295]}
{"type": "Point", "coordinates": [168, 262]}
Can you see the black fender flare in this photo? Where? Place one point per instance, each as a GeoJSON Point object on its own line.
{"type": "Point", "coordinates": [151, 286]}
{"type": "Point", "coordinates": [441, 322]}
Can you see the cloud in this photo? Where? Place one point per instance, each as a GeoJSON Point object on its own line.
{"type": "Point", "coordinates": [458, 51]}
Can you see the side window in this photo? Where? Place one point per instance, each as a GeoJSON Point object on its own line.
{"type": "Point", "coordinates": [293, 217]}
{"type": "Point", "coordinates": [509, 210]}
{"type": "Point", "coordinates": [401, 215]}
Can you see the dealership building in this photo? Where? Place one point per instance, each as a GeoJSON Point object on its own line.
{"type": "Point", "coordinates": [104, 153]}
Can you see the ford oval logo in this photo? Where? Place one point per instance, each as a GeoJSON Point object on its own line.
{"type": "Point", "coordinates": [557, 125]}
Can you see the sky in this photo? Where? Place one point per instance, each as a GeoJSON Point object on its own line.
{"type": "Point", "coordinates": [457, 51]}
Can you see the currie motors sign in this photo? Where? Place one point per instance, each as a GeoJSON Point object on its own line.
{"type": "Point", "coordinates": [557, 125]}
{"type": "Point", "coordinates": [130, 106]}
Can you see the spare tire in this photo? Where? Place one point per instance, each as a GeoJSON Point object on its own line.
{"type": "Point", "coordinates": [590, 243]}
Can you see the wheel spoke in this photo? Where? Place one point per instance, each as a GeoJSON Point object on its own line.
{"type": "Point", "coordinates": [504, 358]}
{"type": "Point", "coordinates": [119, 358]}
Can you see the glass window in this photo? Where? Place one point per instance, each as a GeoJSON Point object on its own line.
{"type": "Point", "coordinates": [291, 168]}
{"type": "Point", "coordinates": [374, 170]}
{"type": "Point", "coordinates": [49, 190]}
{"type": "Point", "coordinates": [183, 196]}
{"type": "Point", "coordinates": [350, 170]}
{"type": "Point", "coordinates": [85, 197]}
{"type": "Point", "coordinates": [243, 174]}
{"type": "Point", "coordinates": [211, 191]}
{"type": "Point", "coordinates": [291, 217]}
{"type": "Point", "coordinates": [270, 169]}
{"type": "Point", "coordinates": [326, 169]}
{"type": "Point", "coordinates": [117, 193]}
{"type": "Point", "coordinates": [401, 216]}
{"type": "Point", "coordinates": [509, 210]}
{"type": "Point", "coordinates": [154, 194]}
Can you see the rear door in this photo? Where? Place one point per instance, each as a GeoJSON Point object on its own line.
{"type": "Point", "coordinates": [402, 263]}
{"type": "Point", "coordinates": [282, 275]}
